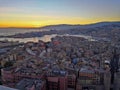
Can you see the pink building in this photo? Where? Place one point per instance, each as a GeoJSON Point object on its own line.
{"type": "Point", "coordinates": [53, 83]}
{"type": "Point", "coordinates": [71, 81]}
{"type": "Point", "coordinates": [57, 80]}
{"type": "Point", "coordinates": [7, 77]}
{"type": "Point", "coordinates": [10, 77]}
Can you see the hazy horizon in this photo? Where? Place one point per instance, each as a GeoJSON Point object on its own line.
{"type": "Point", "coordinates": [60, 24]}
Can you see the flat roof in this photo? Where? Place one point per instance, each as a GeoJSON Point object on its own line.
{"type": "Point", "coordinates": [6, 88]}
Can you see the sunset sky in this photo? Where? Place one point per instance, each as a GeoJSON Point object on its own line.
{"type": "Point", "coordinates": [36, 13]}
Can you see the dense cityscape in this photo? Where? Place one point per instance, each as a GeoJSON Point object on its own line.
{"type": "Point", "coordinates": [59, 44]}
{"type": "Point", "coordinates": [64, 63]}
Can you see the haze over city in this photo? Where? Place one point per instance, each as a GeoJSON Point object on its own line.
{"type": "Point", "coordinates": [37, 13]}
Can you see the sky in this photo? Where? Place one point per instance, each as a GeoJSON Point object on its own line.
{"type": "Point", "coordinates": [36, 13]}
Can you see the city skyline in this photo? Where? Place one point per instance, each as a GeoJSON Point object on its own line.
{"type": "Point", "coordinates": [37, 13]}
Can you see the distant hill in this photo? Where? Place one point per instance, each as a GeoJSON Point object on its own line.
{"type": "Point", "coordinates": [69, 26]}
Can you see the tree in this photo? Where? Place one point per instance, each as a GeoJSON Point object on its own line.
{"type": "Point", "coordinates": [8, 64]}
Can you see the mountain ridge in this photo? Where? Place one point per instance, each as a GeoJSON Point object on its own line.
{"type": "Point", "coordinates": [71, 26]}
{"type": "Point", "coordinates": [68, 26]}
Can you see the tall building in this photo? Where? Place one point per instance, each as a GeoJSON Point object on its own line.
{"type": "Point", "coordinates": [10, 75]}
{"type": "Point", "coordinates": [57, 80]}
{"type": "Point", "coordinates": [114, 65]}
{"type": "Point", "coordinates": [71, 81]}
{"type": "Point", "coordinates": [7, 76]}
{"type": "Point", "coordinates": [107, 80]}
{"type": "Point", "coordinates": [90, 81]}
{"type": "Point", "coordinates": [117, 81]}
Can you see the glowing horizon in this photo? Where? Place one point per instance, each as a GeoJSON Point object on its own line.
{"type": "Point", "coordinates": [36, 13]}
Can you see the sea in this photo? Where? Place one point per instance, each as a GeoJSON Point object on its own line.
{"type": "Point", "coordinates": [45, 38]}
{"type": "Point", "coordinates": [12, 31]}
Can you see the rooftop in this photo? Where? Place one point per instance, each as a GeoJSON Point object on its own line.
{"type": "Point", "coordinates": [29, 83]}
{"type": "Point", "coordinates": [6, 88]}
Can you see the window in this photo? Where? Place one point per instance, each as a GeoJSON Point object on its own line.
{"type": "Point", "coordinates": [88, 88]}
